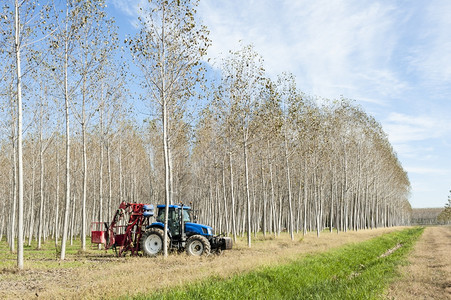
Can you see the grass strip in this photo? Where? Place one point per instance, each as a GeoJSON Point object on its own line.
{"type": "Point", "coordinates": [48, 257]}
{"type": "Point", "coordinates": [358, 271]}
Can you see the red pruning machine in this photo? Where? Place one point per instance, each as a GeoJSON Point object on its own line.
{"type": "Point", "coordinates": [125, 230]}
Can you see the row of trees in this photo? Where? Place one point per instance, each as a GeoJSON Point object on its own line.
{"type": "Point", "coordinates": [255, 154]}
{"type": "Point", "coordinates": [273, 159]}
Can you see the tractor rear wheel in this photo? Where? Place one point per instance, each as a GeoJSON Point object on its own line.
{"type": "Point", "coordinates": [152, 242]}
{"type": "Point", "coordinates": [198, 245]}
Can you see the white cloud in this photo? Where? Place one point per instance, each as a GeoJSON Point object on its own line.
{"type": "Point", "coordinates": [333, 47]}
{"type": "Point", "coordinates": [427, 171]}
{"type": "Point", "coordinates": [408, 151]}
{"type": "Point", "coordinates": [431, 58]}
{"type": "Point", "coordinates": [130, 9]}
{"type": "Point", "coordinates": [403, 128]}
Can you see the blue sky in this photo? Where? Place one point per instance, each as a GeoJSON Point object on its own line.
{"type": "Point", "coordinates": [392, 57]}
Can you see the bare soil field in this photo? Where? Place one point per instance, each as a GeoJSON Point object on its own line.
{"type": "Point", "coordinates": [101, 275]}
{"type": "Point", "coordinates": [428, 275]}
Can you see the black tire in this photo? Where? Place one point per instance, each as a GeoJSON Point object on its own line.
{"type": "Point", "coordinates": [198, 245]}
{"type": "Point", "coordinates": [151, 242]}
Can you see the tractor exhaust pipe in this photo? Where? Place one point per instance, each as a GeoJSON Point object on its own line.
{"type": "Point", "coordinates": [182, 226]}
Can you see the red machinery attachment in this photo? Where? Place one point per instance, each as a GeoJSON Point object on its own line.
{"type": "Point", "coordinates": [121, 235]}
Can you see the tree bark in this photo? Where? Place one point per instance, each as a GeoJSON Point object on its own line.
{"type": "Point", "coordinates": [20, 260]}
{"type": "Point", "coordinates": [66, 98]}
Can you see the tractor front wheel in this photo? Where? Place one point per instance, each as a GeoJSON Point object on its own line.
{"type": "Point", "coordinates": [152, 242]}
{"type": "Point", "coordinates": [198, 245]}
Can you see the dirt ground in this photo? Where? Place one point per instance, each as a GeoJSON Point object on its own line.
{"type": "Point", "coordinates": [107, 277]}
{"type": "Point", "coordinates": [428, 276]}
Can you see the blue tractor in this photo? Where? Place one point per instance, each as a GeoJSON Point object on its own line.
{"type": "Point", "coordinates": [184, 234]}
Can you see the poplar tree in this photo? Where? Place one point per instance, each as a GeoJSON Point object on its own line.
{"type": "Point", "coordinates": [168, 50]}
{"type": "Point", "coordinates": [242, 80]}
{"type": "Point", "coordinates": [65, 45]}
{"type": "Point", "coordinates": [17, 51]}
{"type": "Point", "coordinates": [26, 28]}
{"type": "Point", "coordinates": [96, 39]}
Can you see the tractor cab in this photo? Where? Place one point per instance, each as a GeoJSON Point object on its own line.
{"type": "Point", "coordinates": [181, 222]}
{"type": "Point", "coordinates": [178, 216]}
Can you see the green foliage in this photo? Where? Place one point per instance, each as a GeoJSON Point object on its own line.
{"type": "Point", "coordinates": [445, 215]}
{"type": "Point", "coordinates": [359, 271]}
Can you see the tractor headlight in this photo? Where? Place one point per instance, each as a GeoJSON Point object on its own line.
{"type": "Point", "coordinates": [209, 231]}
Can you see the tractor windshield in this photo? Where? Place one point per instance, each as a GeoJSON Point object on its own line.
{"type": "Point", "coordinates": [174, 215]}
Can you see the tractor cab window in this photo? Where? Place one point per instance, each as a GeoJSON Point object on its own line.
{"type": "Point", "coordinates": [186, 216]}
{"type": "Point", "coordinates": [160, 217]}
{"type": "Point", "coordinates": [174, 215]}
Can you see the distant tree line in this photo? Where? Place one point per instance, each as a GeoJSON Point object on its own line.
{"type": "Point", "coordinates": [251, 153]}
{"type": "Point", "coordinates": [432, 216]}
{"type": "Point", "coordinates": [426, 216]}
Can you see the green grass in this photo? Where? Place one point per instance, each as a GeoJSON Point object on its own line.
{"type": "Point", "coordinates": [352, 272]}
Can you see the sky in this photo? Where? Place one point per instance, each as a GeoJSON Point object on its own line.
{"type": "Point", "coordinates": [392, 57]}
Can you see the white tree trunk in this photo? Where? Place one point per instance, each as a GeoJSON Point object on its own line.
{"type": "Point", "coordinates": [56, 221]}
{"type": "Point", "coordinates": [20, 260]}
{"type": "Point", "coordinates": [232, 193]}
{"type": "Point", "coordinates": [66, 97]}
{"type": "Point", "coordinates": [248, 197]}
{"type": "Point", "coordinates": [41, 187]}
{"type": "Point", "coordinates": [290, 206]}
